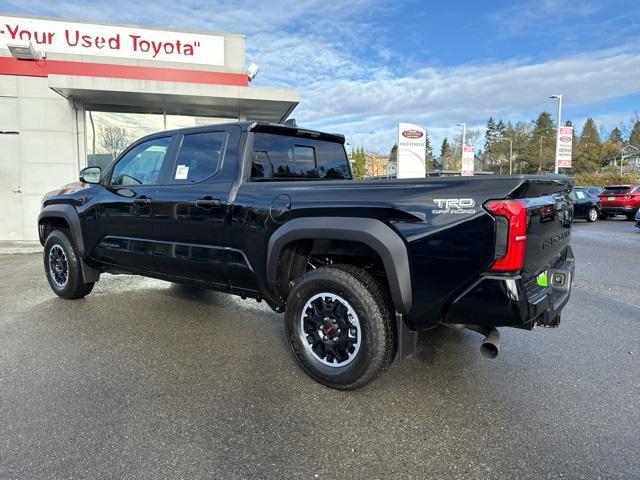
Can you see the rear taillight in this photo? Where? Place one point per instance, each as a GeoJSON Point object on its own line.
{"type": "Point", "coordinates": [511, 234]}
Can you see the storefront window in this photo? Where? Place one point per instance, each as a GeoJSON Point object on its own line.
{"type": "Point", "coordinates": [109, 133]}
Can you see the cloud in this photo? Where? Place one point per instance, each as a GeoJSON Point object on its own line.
{"type": "Point", "coordinates": [354, 81]}
{"type": "Point", "coordinates": [537, 15]}
{"type": "Point", "coordinates": [436, 98]}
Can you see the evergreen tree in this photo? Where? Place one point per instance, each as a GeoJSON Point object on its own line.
{"type": "Point", "coordinates": [588, 154]}
{"type": "Point", "coordinates": [445, 149]}
{"type": "Point", "coordinates": [634, 138]}
{"type": "Point", "coordinates": [544, 126]}
{"type": "Point", "coordinates": [428, 151]}
{"type": "Point", "coordinates": [359, 163]}
{"type": "Point", "coordinates": [615, 136]}
{"type": "Point", "coordinates": [589, 136]}
{"type": "Point", "coordinates": [393, 154]}
{"type": "Point", "coordinates": [490, 133]}
{"type": "Point", "coordinates": [429, 164]}
{"type": "Point", "coordinates": [501, 128]}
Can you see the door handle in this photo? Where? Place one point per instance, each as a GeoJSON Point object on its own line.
{"type": "Point", "coordinates": [208, 202]}
{"type": "Point", "coordinates": [142, 200]}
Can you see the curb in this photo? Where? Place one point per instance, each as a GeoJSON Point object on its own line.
{"type": "Point", "coordinates": [22, 249]}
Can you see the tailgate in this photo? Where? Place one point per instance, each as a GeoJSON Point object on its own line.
{"type": "Point", "coordinates": [615, 196]}
{"type": "Point", "coordinates": [549, 225]}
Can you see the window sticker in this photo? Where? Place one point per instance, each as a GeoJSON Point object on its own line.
{"type": "Point", "coordinates": [182, 172]}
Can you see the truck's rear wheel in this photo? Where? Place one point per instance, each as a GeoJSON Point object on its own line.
{"type": "Point", "coordinates": [62, 266]}
{"type": "Point", "coordinates": [339, 325]}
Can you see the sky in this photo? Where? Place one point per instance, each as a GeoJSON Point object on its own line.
{"type": "Point", "coordinates": [362, 66]}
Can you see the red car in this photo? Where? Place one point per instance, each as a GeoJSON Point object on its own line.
{"type": "Point", "coordinates": [620, 200]}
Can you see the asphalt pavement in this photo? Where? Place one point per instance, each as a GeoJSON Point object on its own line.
{"type": "Point", "coordinates": [143, 379]}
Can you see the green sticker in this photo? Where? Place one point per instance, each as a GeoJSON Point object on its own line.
{"type": "Point", "coordinates": [542, 279]}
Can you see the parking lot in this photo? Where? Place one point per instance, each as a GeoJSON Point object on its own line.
{"type": "Point", "coordinates": [143, 379]}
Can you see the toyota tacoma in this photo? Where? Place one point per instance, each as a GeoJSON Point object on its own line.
{"type": "Point", "coordinates": [272, 212]}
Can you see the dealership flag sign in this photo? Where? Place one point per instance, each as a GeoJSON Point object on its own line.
{"type": "Point", "coordinates": [564, 147]}
{"type": "Point", "coordinates": [112, 41]}
{"type": "Point", "coordinates": [411, 151]}
{"type": "Point", "coordinates": [468, 160]}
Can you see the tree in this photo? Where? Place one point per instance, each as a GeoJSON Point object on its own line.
{"type": "Point", "coordinates": [634, 138]}
{"type": "Point", "coordinates": [393, 154]}
{"type": "Point", "coordinates": [589, 135]}
{"type": "Point", "coordinates": [113, 139]}
{"type": "Point", "coordinates": [544, 138]}
{"type": "Point", "coordinates": [445, 149]}
{"type": "Point", "coordinates": [615, 136]}
{"type": "Point", "coordinates": [490, 133]}
{"type": "Point", "coordinates": [359, 163]}
{"type": "Point", "coordinates": [588, 152]}
{"type": "Point", "coordinates": [428, 152]}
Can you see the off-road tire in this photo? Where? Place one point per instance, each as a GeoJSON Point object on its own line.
{"type": "Point", "coordinates": [74, 286]}
{"type": "Point", "coordinates": [373, 308]}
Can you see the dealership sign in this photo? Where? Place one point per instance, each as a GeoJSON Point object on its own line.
{"type": "Point", "coordinates": [564, 147]}
{"type": "Point", "coordinates": [468, 161]}
{"type": "Point", "coordinates": [411, 151]}
{"type": "Point", "coordinates": [111, 41]}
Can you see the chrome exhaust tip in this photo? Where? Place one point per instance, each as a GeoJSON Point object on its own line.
{"type": "Point", "coordinates": [490, 346]}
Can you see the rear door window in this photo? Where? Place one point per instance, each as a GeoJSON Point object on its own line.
{"type": "Point", "coordinates": [200, 156]}
{"type": "Point", "coordinates": [293, 158]}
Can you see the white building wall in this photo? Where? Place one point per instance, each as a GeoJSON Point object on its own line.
{"type": "Point", "coordinates": [41, 157]}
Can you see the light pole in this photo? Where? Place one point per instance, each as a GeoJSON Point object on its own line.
{"type": "Point", "coordinates": [540, 167]}
{"type": "Point", "coordinates": [464, 138]}
{"type": "Point", "coordinates": [559, 97]}
{"type": "Point", "coordinates": [499, 139]}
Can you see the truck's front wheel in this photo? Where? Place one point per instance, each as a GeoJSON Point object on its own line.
{"type": "Point", "coordinates": [62, 266]}
{"type": "Point", "coordinates": [339, 325]}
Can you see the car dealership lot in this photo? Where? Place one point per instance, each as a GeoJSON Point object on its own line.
{"type": "Point", "coordinates": [147, 380]}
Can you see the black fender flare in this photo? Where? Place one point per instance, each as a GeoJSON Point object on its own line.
{"type": "Point", "coordinates": [70, 215]}
{"type": "Point", "coordinates": [381, 238]}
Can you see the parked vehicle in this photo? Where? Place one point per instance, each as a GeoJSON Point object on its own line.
{"type": "Point", "coordinates": [638, 219]}
{"type": "Point", "coordinates": [585, 206]}
{"type": "Point", "coordinates": [272, 212]}
{"type": "Point", "coordinates": [591, 190]}
{"type": "Point", "coordinates": [620, 199]}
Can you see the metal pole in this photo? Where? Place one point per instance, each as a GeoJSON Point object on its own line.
{"type": "Point", "coordinates": [464, 140]}
{"type": "Point", "coordinates": [510, 156]}
{"type": "Point", "coordinates": [540, 167]}
{"type": "Point", "coordinates": [559, 97]}
{"type": "Point", "coordinates": [464, 134]}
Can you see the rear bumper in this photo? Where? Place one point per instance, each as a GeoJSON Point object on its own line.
{"type": "Point", "coordinates": [509, 301]}
{"type": "Point", "coordinates": [622, 209]}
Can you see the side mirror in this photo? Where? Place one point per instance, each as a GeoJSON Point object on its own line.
{"type": "Point", "coordinates": [90, 175]}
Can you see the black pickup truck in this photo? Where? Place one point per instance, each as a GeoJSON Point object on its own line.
{"type": "Point", "coordinates": [358, 267]}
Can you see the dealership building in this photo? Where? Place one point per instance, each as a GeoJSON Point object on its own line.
{"type": "Point", "coordinates": [74, 94]}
